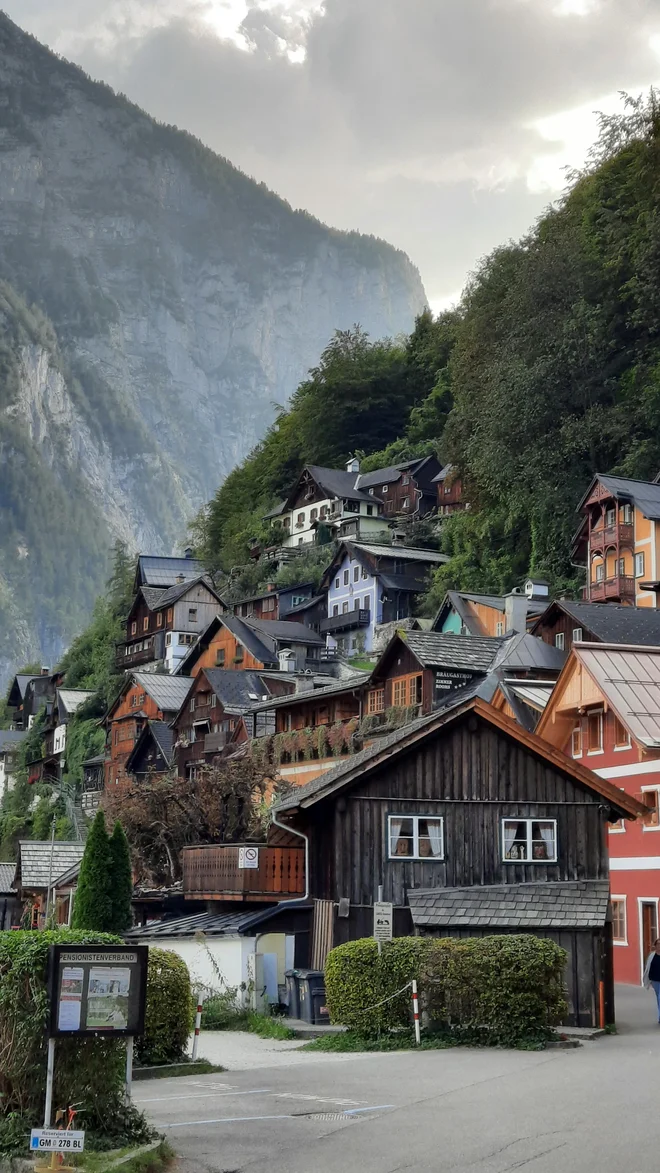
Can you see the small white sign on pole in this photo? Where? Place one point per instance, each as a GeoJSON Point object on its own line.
{"type": "Point", "coordinates": [383, 920]}
{"type": "Point", "coordinates": [56, 1140]}
{"type": "Point", "coordinates": [248, 857]}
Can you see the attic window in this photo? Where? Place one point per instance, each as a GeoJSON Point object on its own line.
{"type": "Point", "coordinates": [238, 654]}
{"type": "Point", "coordinates": [220, 657]}
{"type": "Point", "coordinates": [559, 641]}
{"type": "Point", "coordinates": [192, 614]}
{"type": "Point", "coordinates": [577, 635]}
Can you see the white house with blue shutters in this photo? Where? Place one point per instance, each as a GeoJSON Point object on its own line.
{"type": "Point", "coordinates": [369, 584]}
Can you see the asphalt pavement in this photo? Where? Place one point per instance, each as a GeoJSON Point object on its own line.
{"type": "Point", "coordinates": [468, 1111]}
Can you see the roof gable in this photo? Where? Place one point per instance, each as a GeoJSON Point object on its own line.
{"type": "Point", "coordinates": [644, 495]}
{"type": "Point", "coordinates": [607, 622]}
{"type": "Point", "coordinates": [355, 769]}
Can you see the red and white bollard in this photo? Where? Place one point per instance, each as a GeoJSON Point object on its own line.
{"type": "Point", "coordinates": [198, 1023]}
{"type": "Point", "coordinates": [418, 1037]}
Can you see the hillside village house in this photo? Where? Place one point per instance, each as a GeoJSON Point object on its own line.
{"type": "Point", "coordinates": [564, 623]}
{"type": "Point", "coordinates": [38, 867]}
{"type": "Point", "coordinates": [605, 713]}
{"type": "Point", "coordinates": [369, 585]}
{"type": "Point", "coordinates": [274, 603]}
{"type": "Point", "coordinates": [406, 489]}
{"type": "Point", "coordinates": [145, 696]}
{"type": "Point", "coordinates": [619, 541]}
{"type": "Point", "coordinates": [165, 621]}
{"type": "Point", "coordinates": [233, 642]}
{"type": "Point", "coordinates": [449, 491]}
{"type": "Point", "coordinates": [10, 740]}
{"type": "Point", "coordinates": [328, 498]}
{"type": "Point", "coordinates": [215, 701]}
{"type": "Point", "coordinates": [153, 752]}
{"type": "Point", "coordinates": [470, 825]}
{"type": "Point", "coordinates": [58, 716]}
{"type": "Point", "coordinates": [28, 694]}
{"type": "Point", "coordinates": [473, 614]}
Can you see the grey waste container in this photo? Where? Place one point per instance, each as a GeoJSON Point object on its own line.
{"type": "Point", "coordinates": [312, 996]}
{"type": "Point", "coordinates": [292, 979]}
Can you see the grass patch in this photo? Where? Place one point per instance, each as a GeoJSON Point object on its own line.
{"type": "Point", "coordinates": [222, 1013]}
{"type": "Point", "coordinates": [128, 1160]}
{"type": "Point", "coordinates": [268, 1026]}
{"type": "Point", "coordinates": [404, 1040]}
{"type": "Point", "coordinates": [170, 1070]}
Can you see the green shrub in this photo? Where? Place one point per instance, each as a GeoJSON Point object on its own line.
{"type": "Point", "coordinates": [88, 1072]}
{"type": "Point", "coordinates": [503, 990]}
{"type": "Point", "coordinates": [507, 988]}
{"type": "Point", "coordinates": [223, 1011]}
{"type": "Point", "coordinates": [357, 978]}
{"type": "Point", "coordinates": [170, 1009]}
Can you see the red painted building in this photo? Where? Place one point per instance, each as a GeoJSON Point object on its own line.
{"type": "Point", "coordinates": [605, 713]}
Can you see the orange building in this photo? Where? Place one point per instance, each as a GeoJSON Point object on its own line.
{"type": "Point", "coordinates": [145, 696]}
{"type": "Point", "coordinates": [238, 643]}
{"type": "Point", "coordinates": [619, 541]}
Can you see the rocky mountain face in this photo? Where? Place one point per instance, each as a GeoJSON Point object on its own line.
{"type": "Point", "coordinates": [155, 303]}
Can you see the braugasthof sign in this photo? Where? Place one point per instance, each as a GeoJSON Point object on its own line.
{"type": "Point", "coordinates": [97, 990]}
{"type": "Point", "coordinates": [449, 679]}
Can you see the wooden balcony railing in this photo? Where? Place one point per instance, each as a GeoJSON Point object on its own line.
{"type": "Point", "coordinates": [612, 535]}
{"type": "Point", "coordinates": [214, 872]}
{"type": "Point", "coordinates": [620, 586]}
{"type": "Point", "coordinates": [126, 655]}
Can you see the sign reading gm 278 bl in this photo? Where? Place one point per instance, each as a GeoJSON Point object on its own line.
{"type": "Point", "coordinates": [97, 989]}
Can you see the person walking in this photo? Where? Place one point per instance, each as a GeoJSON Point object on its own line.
{"type": "Point", "coordinates": [652, 973]}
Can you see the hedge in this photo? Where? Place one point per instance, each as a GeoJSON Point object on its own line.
{"type": "Point", "coordinates": [499, 990]}
{"type": "Point", "coordinates": [356, 978]}
{"type": "Point", "coordinates": [170, 1010]}
{"type": "Point", "coordinates": [88, 1072]}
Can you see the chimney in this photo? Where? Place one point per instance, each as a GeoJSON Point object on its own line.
{"type": "Point", "coordinates": [515, 612]}
{"type": "Point", "coordinates": [44, 670]}
{"type": "Point", "coordinates": [270, 587]}
{"type": "Point", "coordinates": [180, 578]}
{"type": "Point", "coordinates": [398, 537]}
{"type": "Point", "coordinates": [287, 660]}
{"type": "Point", "coordinates": [187, 553]}
{"type": "Point", "coordinates": [353, 464]}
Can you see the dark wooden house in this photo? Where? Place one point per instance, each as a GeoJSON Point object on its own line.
{"type": "Point", "coordinates": [215, 701]}
{"type": "Point", "coordinates": [164, 622]}
{"type": "Point", "coordinates": [275, 602]}
{"type": "Point", "coordinates": [419, 668]}
{"type": "Point", "coordinates": [449, 489]}
{"type": "Point", "coordinates": [459, 811]}
{"type": "Point", "coordinates": [565, 622]}
{"type": "Point", "coordinates": [144, 696]}
{"type": "Point", "coordinates": [153, 752]}
{"type": "Point", "coordinates": [406, 489]}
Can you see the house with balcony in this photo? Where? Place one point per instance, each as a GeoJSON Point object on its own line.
{"type": "Point", "coordinates": [10, 740]}
{"type": "Point", "coordinates": [323, 504]}
{"type": "Point", "coordinates": [207, 720]}
{"type": "Point", "coordinates": [165, 621]}
{"type": "Point", "coordinates": [144, 696]}
{"type": "Point", "coordinates": [566, 622]}
{"type": "Point", "coordinates": [449, 491]}
{"type": "Point", "coordinates": [407, 490]}
{"type": "Point", "coordinates": [605, 714]}
{"type": "Point", "coordinates": [469, 825]}
{"type": "Point", "coordinates": [618, 541]}
{"type": "Point", "coordinates": [28, 694]}
{"type": "Point", "coordinates": [368, 585]}
{"type": "Point", "coordinates": [59, 714]}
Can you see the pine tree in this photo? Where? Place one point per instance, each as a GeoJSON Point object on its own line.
{"type": "Point", "coordinates": [121, 880]}
{"type": "Point", "coordinates": [92, 907]}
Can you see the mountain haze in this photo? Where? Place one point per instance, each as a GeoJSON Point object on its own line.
{"type": "Point", "coordinates": [155, 305]}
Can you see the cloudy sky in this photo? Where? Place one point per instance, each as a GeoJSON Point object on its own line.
{"type": "Point", "coordinates": [444, 126]}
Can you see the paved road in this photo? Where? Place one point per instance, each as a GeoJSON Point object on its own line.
{"type": "Point", "coordinates": [590, 1110]}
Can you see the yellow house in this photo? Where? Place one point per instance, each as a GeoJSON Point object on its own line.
{"type": "Point", "coordinates": [619, 541]}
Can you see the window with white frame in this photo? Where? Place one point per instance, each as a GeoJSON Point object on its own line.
{"type": "Point", "coordinates": [639, 564]}
{"type": "Point", "coordinates": [600, 572]}
{"type": "Point", "coordinates": [627, 512]}
{"type": "Point", "coordinates": [415, 837]}
{"type": "Point", "coordinates": [595, 731]}
{"type": "Point", "coordinates": [577, 635]}
{"type": "Point", "coordinates": [559, 640]}
{"type": "Point", "coordinates": [529, 840]}
{"type": "Point", "coordinates": [499, 628]}
{"type": "Point", "coordinates": [610, 518]}
{"type": "Point", "coordinates": [619, 926]}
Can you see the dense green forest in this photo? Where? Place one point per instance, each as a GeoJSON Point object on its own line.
{"type": "Point", "coordinates": [548, 371]}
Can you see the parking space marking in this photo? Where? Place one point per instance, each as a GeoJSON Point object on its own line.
{"type": "Point", "coordinates": [348, 1112]}
{"type": "Point", "coordinates": [316, 1099]}
{"type": "Point", "coordinates": [205, 1096]}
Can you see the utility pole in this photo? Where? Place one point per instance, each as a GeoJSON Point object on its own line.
{"type": "Point", "coordinates": [50, 870]}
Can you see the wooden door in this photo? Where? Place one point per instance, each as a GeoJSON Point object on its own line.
{"type": "Point", "coordinates": [649, 928]}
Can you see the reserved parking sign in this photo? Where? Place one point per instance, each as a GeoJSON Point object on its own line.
{"type": "Point", "coordinates": [56, 1140]}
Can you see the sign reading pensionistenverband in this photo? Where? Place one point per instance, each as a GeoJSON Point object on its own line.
{"type": "Point", "coordinates": [97, 990]}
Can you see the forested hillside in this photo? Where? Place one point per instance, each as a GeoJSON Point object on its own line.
{"type": "Point", "coordinates": [548, 371]}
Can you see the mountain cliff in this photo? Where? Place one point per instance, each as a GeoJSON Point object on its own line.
{"type": "Point", "coordinates": [155, 305]}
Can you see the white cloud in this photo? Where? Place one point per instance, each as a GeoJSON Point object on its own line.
{"type": "Point", "coordinates": [442, 125]}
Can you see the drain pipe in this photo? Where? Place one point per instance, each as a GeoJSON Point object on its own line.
{"type": "Point", "coordinates": [301, 835]}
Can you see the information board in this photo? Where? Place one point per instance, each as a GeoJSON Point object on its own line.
{"type": "Point", "coordinates": [97, 989]}
{"type": "Point", "coordinates": [56, 1140]}
{"type": "Point", "coordinates": [383, 920]}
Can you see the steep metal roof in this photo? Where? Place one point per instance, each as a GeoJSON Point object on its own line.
{"type": "Point", "coordinates": [436, 649]}
{"type": "Point", "coordinates": [536, 693]}
{"type": "Point", "coordinates": [221, 924]}
{"type": "Point", "coordinates": [35, 860]}
{"type": "Point", "coordinates": [555, 904]}
{"type": "Point", "coordinates": [278, 631]}
{"type": "Point", "coordinates": [645, 495]}
{"type": "Point", "coordinates": [237, 691]}
{"type": "Point", "coordinates": [443, 474]}
{"type": "Point", "coordinates": [156, 570]}
{"type": "Point", "coordinates": [611, 622]}
{"type": "Point", "coordinates": [333, 482]}
{"type": "Point", "coordinates": [10, 738]}
{"type": "Point", "coordinates": [629, 677]}
{"type": "Point", "coordinates": [296, 698]}
{"type": "Point", "coordinates": [163, 735]}
{"type": "Point", "coordinates": [525, 651]}
{"type": "Point", "coordinates": [73, 698]}
{"type": "Point", "coordinates": [400, 553]}
{"type": "Point", "coordinates": [381, 476]}
{"type": "Point", "coordinates": [168, 692]}
{"type": "Point", "coordinates": [176, 592]}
